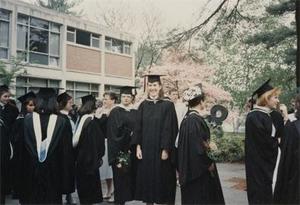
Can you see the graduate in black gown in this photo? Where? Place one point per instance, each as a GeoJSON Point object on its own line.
{"type": "Point", "coordinates": [65, 102]}
{"type": "Point", "coordinates": [48, 160]}
{"type": "Point", "coordinates": [8, 114]}
{"type": "Point", "coordinates": [155, 138]}
{"type": "Point", "coordinates": [121, 153]}
{"type": "Point", "coordinates": [287, 190]}
{"type": "Point", "coordinates": [261, 146]}
{"type": "Point", "coordinates": [17, 140]}
{"type": "Point", "coordinates": [88, 141]}
{"type": "Point", "coordinates": [198, 175]}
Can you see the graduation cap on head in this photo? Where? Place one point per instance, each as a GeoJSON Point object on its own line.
{"type": "Point", "coordinates": [265, 87]}
{"type": "Point", "coordinates": [63, 97]}
{"type": "Point", "coordinates": [130, 90]}
{"type": "Point", "coordinates": [153, 77]}
{"type": "Point", "coordinates": [27, 96]}
{"type": "Point", "coordinates": [87, 98]}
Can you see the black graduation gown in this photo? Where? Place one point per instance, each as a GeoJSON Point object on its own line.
{"type": "Point", "coordinates": [157, 129]}
{"type": "Point", "coordinates": [89, 152]}
{"type": "Point", "coordinates": [260, 157]}
{"type": "Point", "coordinates": [198, 185]}
{"type": "Point", "coordinates": [287, 190]}
{"type": "Point", "coordinates": [45, 182]}
{"type": "Point", "coordinates": [120, 128]}
{"type": "Point", "coordinates": [8, 115]}
{"type": "Point", "coordinates": [17, 140]}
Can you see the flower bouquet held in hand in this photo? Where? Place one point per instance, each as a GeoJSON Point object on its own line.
{"type": "Point", "coordinates": [123, 161]}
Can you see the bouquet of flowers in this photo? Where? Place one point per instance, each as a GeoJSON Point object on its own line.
{"type": "Point", "coordinates": [123, 160]}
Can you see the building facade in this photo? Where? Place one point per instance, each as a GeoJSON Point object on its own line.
{"type": "Point", "coordinates": [63, 51]}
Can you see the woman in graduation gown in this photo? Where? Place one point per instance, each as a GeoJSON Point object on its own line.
{"type": "Point", "coordinates": [287, 189]}
{"type": "Point", "coordinates": [155, 138]}
{"type": "Point", "coordinates": [88, 142]}
{"type": "Point", "coordinates": [261, 146]}
{"type": "Point", "coordinates": [121, 153]}
{"type": "Point", "coordinates": [17, 140]}
{"type": "Point", "coordinates": [8, 114]}
{"type": "Point", "coordinates": [198, 175]}
{"type": "Point", "coordinates": [65, 102]}
{"type": "Point", "coordinates": [48, 160]}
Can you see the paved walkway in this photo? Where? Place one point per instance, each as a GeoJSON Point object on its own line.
{"type": "Point", "coordinates": [232, 179]}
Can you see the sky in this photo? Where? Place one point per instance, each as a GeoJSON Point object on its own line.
{"type": "Point", "coordinates": [173, 13]}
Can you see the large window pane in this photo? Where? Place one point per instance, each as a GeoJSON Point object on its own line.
{"type": "Point", "coordinates": [54, 44]}
{"type": "Point", "coordinates": [20, 91]}
{"type": "Point", "coordinates": [4, 30]}
{"type": "Point", "coordinates": [22, 37]}
{"type": "Point", "coordinates": [21, 82]}
{"type": "Point", "coordinates": [54, 83]}
{"type": "Point", "coordinates": [83, 38]}
{"type": "Point", "coordinates": [4, 14]}
{"type": "Point", "coordinates": [3, 53]}
{"type": "Point", "coordinates": [117, 46]}
{"type": "Point", "coordinates": [39, 23]}
{"type": "Point", "coordinates": [82, 86]}
{"type": "Point", "coordinates": [23, 19]}
{"type": "Point", "coordinates": [70, 85]}
{"type": "Point", "coordinates": [38, 40]}
{"type": "Point", "coordinates": [96, 43]}
{"type": "Point", "coordinates": [38, 82]}
{"type": "Point", "coordinates": [22, 55]}
{"type": "Point", "coordinates": [38, 58]}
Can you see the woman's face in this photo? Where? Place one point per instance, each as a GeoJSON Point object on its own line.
{"type": "Point", "coordinates": [5, 98]}
{"type": "Point", "coordinates": [69, 104]}
{"type": "Point", "coordinates": [126, 99]}
{"type": "Point", "coordinates": [272, 102]}
{"type": "Point", "coordinates": [153, 89]}
{"type": "Point", "coordinates": [30, 106]}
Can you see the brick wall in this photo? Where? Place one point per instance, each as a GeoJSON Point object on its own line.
{"type": "Point", "coordinates": [83, 59]}
{"type": "Point", "coordinates": [118, 65]}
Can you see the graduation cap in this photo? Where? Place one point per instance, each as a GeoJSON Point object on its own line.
{"type": "Point", "coordinates": [27, 96]}
{"type": "Point", "coordinates": [192, 93]}
{"type": "Point", "coordinates": [87, 98]}
{"type": "Point", "coordinates": [63, 97]}
{"type": "Point", "coordinates": [265, 87]}
{"type": "Point", "coordinates": [4, 88]}
{"type": "Point", "coordinates": [153, 77]}
{"type": "Point", "coordinates": [130, 90]}
{"type": "Point", "coordinates": [47, 93]}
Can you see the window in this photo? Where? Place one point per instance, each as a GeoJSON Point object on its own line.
{"type": "Point", "coordinates": [79, 89]}
{"type": "Point", "coordinates": [24, 84]}
{"type": "Point", "coordinates": [38, 41]}
{"type": "Point", "coordinates": [83, 37]}
{"type": "Point", "coordinates": [117, 46]}
{"type": "Point", "coordinates": [4, 33]}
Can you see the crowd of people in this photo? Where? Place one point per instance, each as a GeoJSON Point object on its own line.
{"type": "Point", "coordinates": [49, 149]}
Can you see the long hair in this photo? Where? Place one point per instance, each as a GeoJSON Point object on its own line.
{"type": "Point", "coordinates": [87, 108]}
{"type": "Point", "coordinates": [62, 104]}
{"type": "Point", "coordinates": [46, 105]}
{"type": "Point", "coordinates": [25, 103]}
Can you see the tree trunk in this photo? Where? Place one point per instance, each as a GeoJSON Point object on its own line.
{"type": "Point", "coordinates": [298, 44]}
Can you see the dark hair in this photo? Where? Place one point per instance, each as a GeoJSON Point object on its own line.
{"type": "Point", "coordinates": [297, 106]}
{"type": "Point", "coordinates": [112, 96]}
{"type": "Point", "coordinates": [25, 103]}
{"type": "Point", "coordinates": [46, 105]}
{"type": "Point", "coordinates": [87, 108]}
{"type": "Point", "coordinates": [62, 104]}
{"type": "Point", "coordinates": [2, 91]}
{"type": "Point", "coordinates": [196, 101]}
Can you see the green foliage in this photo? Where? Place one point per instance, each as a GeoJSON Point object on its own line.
{"type": "Point", "coordinates": [230, 148]}
{"type": "Point", "coordinates": [10, 71]}
{"type": "Point", "coordinates": [62, 6]}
